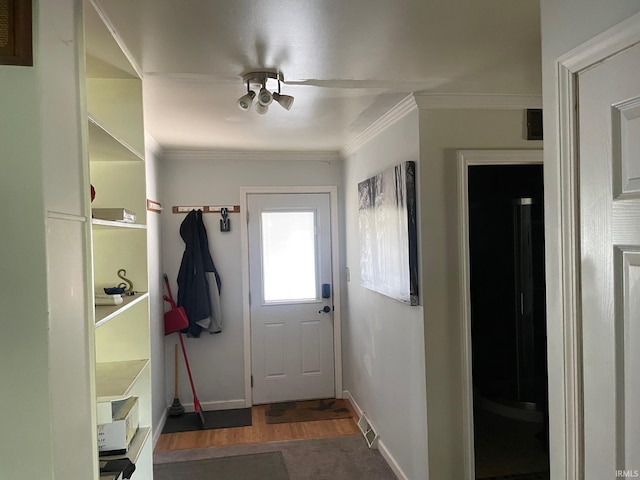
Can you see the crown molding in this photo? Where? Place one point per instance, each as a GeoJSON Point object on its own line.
{"type": "Point", "coordinates": [154, 147]}
{"type": "Point", "coordinates": [425, 101]}
{"type": "Point", "coordinates": [406, 105]}
{"type": "Point", "coordinates": [251, 155]}
{"type": "Point", "coordinates": [477, 101]}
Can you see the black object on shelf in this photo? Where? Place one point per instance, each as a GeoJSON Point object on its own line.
{"type": "Point", "coordinates": [122, 466]}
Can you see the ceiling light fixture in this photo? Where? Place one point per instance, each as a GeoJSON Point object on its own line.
{"type": "Point", "coordinates": [258, 81]}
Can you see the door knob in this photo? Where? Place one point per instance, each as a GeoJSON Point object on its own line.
{"type": "Point", "coordinates": [326, 309]}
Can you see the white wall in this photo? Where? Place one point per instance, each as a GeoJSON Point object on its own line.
{"type": "Point", "coordinates": [383, 339]}
{"type": "Point", "coordinates": [217, 361]}
{"type": "Point", "coordinates": [406, 373]}
{"type": "Point", "coordinates": [442, 133]}
{"type": "Point", "coordinates": [565, 25]}
{"type": "Point", "coordinates": [24, 341]}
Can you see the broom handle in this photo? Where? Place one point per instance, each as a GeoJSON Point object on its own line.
{"type": "Point", "coordinates": [166, 282]}
{"type": "Point", "coordinates": [175, 362]}
{"type": "Point", "coordinates": [196, 402]}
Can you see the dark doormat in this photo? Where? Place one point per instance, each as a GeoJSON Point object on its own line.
{"type": "Point", "coordinates": [187, 422]}
{"type": "Point", "coordinates": [307, 411]}
{"type": "Point", "coordinates": [257, 466]}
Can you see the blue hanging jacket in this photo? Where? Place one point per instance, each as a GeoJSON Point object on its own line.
{"type": "Point", "coordinates": [194, 292]}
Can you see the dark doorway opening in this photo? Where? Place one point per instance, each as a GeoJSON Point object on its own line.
{"type": "Point", "coordinates": [508, 321]}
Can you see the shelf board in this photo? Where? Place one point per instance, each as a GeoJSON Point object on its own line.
{"type": "Point", "coordinates": [105, 146]}
{"type": "Point", "coordinates": [114, 380]}
{"type": "Point", "coordinates": [99, 223]}
{"type": "Point", "coordinates": [137, 444]}
{"type": "Point", "coordinates": [104, 313]}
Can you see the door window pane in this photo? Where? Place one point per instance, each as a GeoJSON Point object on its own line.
{"type": "Point", "coordinates": [289, 256]}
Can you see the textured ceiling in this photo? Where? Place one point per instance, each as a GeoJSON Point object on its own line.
{"type": "Point", "coordinates": [346, 62]}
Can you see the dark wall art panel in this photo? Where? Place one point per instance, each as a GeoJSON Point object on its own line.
{"type": "Point", "coordinates": [388, 233]}
{"type": "Point", "coordinates": [16, 44]}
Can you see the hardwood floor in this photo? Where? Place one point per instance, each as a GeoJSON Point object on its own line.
{"type": "Point", "coordinates": [259, 432]}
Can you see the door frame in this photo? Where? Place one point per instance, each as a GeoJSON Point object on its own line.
{"type": "Point", "coordinates": [332, 191]}
{"type": "Point", "coordinates": [467, 158]}
{"type": "Point", "coordinates": [566, 425]}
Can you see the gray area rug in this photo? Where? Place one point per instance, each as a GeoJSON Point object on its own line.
{"type": "Point", "coordinates": [258, 466]}
{"type": "Point", "coordinates": [522, 476]}
{"type": "Point", "coordinates": [342, 458]}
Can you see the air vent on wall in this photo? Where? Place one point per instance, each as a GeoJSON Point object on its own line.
{"type": "Point", "coordinates": [534, 124]}
{"type": "Point", "coordinates": [369, 433]}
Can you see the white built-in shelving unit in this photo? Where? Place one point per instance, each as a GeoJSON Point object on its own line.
{"type": "Point", "coordinates": [115, 132]}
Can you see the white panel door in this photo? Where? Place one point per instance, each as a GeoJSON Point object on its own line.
{"type": "Point", "coordinates": [292, 355]}
{"type": "Point", "coordinates": [609, 145]}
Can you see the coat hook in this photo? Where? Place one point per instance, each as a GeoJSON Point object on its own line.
{"type": "Point", "coordinates": [225, 222]}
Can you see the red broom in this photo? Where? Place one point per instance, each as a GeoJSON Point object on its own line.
{"type": "Point", "coordinates": [176, 318]}
{"type": "Point", "coordinates": [174, 321]}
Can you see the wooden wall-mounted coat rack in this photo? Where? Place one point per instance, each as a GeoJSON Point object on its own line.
{"type": "Point", "coordinates": [154, 206]}
{"type": "Point", "coordinates": [224, 210]}
{"type": "Point", "coordinates": [207, 208]}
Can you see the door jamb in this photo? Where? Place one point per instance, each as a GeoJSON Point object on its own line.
{"type": "Point", "coordinates": [332, 190]}
{"type": "Point", "coordinates": [466, 158]}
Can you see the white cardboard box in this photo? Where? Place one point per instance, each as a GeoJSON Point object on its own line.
{"type": "Point", "coordinates": [115, 214]}
{"type": "Point", "coordinates": [115, 436]}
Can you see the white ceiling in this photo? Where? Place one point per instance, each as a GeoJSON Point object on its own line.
{"type": "Point", "coordinates": [346, 62]}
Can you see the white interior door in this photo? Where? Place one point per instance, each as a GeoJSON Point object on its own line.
{"type": "Point", "coordinates": [609, 145]}
{"type": "Point", "coordinates": [292, 355]}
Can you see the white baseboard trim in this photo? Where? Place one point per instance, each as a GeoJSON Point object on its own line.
{"type": "Point", "coordinates": [157, 431]}
{"type": "Point", "coordinates": [384, 451]}
{"type": "Point", "coordinates": [223, 404]}
{"type": "Point", "coordinates": [217, 405]}
{"type": "Point", "coordinates": [391, 461]}
{"type": "Point", "coordinates": [188, 407]}
{"type": "Point", "coordinates": [347, 395]}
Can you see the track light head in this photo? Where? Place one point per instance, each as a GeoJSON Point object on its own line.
{"type": "Point", "coordinates": [286, 101]}
{"type": "Point", "coordinates": [261, 109]}
{"type": "Point", "coordinates": [245, 101]}
{"type": "Point", "coordinates": [264, 97]}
